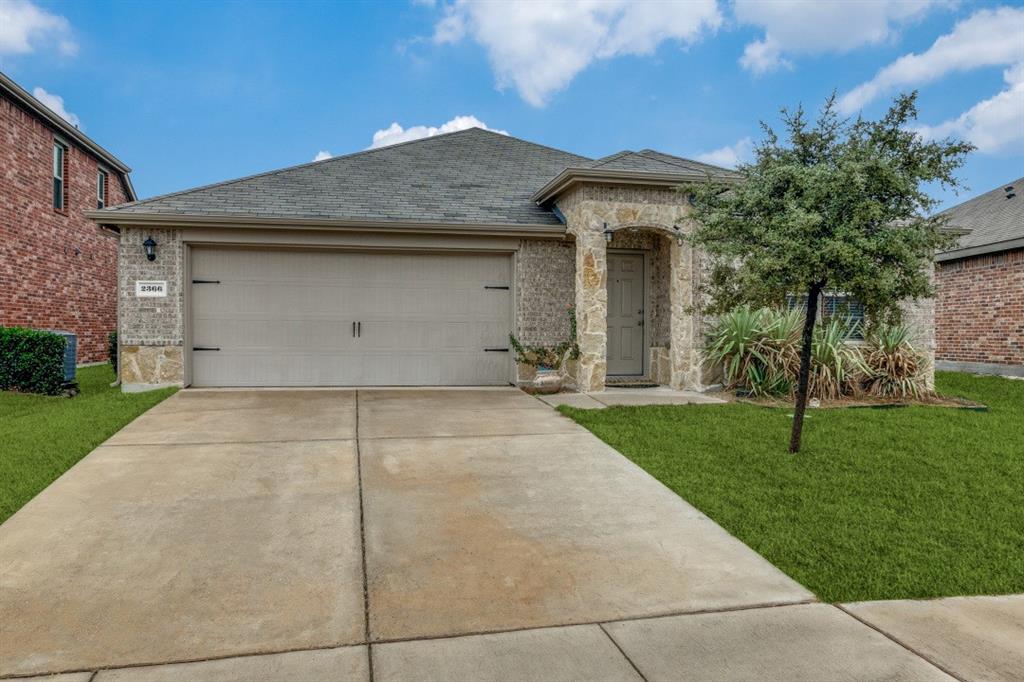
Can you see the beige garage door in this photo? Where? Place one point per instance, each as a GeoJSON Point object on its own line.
{"type": "Point", "coordinates": [327, 318]}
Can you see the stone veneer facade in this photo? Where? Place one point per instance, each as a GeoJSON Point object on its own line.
{"type": "Point", "coordinates": [550, 276]}
{"type": "Point", "coordinates": [589, 210]}
{"type": "Point", "coordinates": [151, 330]}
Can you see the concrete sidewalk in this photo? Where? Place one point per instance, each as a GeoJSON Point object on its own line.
{"type": "Point", "coordinates": [413, 535]}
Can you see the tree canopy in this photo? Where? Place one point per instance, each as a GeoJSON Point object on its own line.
{"type": "Point", "coordinates": [840, 203]}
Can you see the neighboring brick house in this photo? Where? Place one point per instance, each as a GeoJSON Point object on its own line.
{"type": "Point", "coordinates": [979, 315]}
{"type": "Point", "coordinates": [58, 269]}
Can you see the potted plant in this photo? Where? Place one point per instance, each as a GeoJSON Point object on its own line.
{"type": "Point", "coordinates": [546, 362]}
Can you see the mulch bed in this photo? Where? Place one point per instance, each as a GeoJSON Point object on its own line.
{"type": "Point", "coordinates": [862, 401]}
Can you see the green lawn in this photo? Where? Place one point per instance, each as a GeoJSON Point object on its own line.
{"type": "Point", "coordinates": [913, 502]}
{"type": "Point", "coordinates": [41, 437]}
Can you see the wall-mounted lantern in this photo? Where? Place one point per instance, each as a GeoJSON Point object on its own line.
{"type": "Point", "coordinates": [679, 235]}
{"type": "Point", "coordinates": [608, 232]}
{"type": "Point", "coordinates": [150, 247]}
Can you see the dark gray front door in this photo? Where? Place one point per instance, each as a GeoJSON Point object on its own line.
{"type": "Point", "coordinates": [625, 314]}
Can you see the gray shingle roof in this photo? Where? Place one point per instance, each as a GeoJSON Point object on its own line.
{"type": "Point", "coordinates": [991, 217]}
{"type": "Point", "coordinates": [467, 177]}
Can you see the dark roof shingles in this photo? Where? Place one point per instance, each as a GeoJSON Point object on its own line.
{"type": "Point", "coordinates": [991, 217]}
{"type": "Point", "coordinates": [472, 176]}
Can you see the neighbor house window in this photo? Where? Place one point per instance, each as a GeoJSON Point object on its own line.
{"type": "Point", "coordinates": [59, 154]}
{"type": "Point", "coordinates": [101, 189]}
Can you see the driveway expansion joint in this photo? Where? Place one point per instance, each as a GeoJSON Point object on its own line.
{"type": "Point", "coordinates": [900, 643]}
{"type": "Point", "coordinates": [362, 546]}
{"type": "Point", "coordinates": [622, 651]}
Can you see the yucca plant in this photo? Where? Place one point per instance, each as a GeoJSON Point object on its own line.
{"type": "Point", "coordinates": [836, 365]}
{"type": "Point", "coordinates": [894, 368]}
{"type": "Point", "coordinates": [779, 344]}
{"type": "Point", "coordinates": [733, 343]}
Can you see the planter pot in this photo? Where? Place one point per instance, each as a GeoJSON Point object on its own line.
{"type": "Point", "coordinates": [546, 381]}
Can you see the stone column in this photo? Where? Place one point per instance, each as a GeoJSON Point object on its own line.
{"type": "Point", "coordinates": [591, 309]}
{"type": "Point", "coordinates": [684, 322]}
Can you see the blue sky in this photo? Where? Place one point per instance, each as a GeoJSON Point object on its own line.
{"type": "Point", "coordinates": [189, 93]}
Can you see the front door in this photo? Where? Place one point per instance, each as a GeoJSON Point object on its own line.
{"type": "Point", "coordinates": [625, 314]}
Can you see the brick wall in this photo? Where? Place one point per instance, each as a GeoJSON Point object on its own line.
{"type": "Point", "coordinates": [58, 269]}
{"type": "Point", "coordinates": [545, 273]}
{"type": "Point", "coordinates": [979, 313]}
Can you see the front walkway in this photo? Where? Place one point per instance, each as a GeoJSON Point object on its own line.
{"type": "Point", "coordinates": [404, 534]}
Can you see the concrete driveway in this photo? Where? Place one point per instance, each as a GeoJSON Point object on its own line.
{"type": "Point", "coordinates": [275, 534]}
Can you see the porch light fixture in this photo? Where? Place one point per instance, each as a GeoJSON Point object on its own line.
{"type": "Point", "coordinates": [679, 235]}
{"type": "Point", "coordinates": [150, 247]}
{"type": "Point", "coordinates": [608, 232]}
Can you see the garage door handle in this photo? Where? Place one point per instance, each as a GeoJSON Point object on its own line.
{"type": "Point", "coordinates": [203, 348]}
{"type": "Point", "coordinates": [359, 329]}
{"type": "Point", "coordinates": [353, 330]}
{"type": "Point", "coordinates": [495, 350]}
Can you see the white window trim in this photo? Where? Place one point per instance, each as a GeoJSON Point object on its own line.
{"type": "Point", "coordinates": [58, 173]}
{"type": "Point", "coordinates": [102, 178]}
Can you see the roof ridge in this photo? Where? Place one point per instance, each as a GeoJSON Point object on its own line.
{"type": "Point", "coordinates": [648, 152]}
{"type": "Point", "coordinates": [611, 157]}
{"type": "Point", "coordinates": [325, 162]}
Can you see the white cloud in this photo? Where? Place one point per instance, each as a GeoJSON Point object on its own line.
{"type": "Point", "coordinates": [56, 104]}
{"type": "Point", "coordinates": [395, 133]}
{"type": "Point", "coordinates": [816, 26]}
{"type": "Point", "coordinates": [986, 38]}
{"type": "Point", "coordinates": [730, 156]}
{"type": "Point", "coordinates": [323, 155]}
{"type": "Point", "coordinates": [994, 125]}
{"type": "Point", "coordinates": [539, 47]}
{"type": "Point", "coordinates": [24, 28]}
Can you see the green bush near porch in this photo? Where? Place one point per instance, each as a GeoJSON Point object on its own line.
{"type": "Point", "coordinates": [914, 502]}
{"type": "Point", "coordinates": [42, 437]}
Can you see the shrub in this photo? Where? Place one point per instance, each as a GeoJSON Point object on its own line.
{"type": "Point", "coordinates": [836, 365]}
{"type": "Point", "coordinates": [31, 361]}
{"type": "Point", "coordinates": [893, 367]}
{"type": "Point", "coordinates": [112, 350]}
{"type": "Point", "coordinates": [759, 351]}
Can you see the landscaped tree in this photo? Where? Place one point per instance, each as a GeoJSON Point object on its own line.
{"type": "Point", "coordinates": [838, 205]}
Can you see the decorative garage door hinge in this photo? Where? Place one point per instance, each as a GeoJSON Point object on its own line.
{"type": "Point", "coordinates": [203, 348]}
{"type": "Point", "coordinates": [206, 281]}
{"type": "Point", "coordinates": [490, 287]}
{"type": "Point", "coordinates": [495, 350]}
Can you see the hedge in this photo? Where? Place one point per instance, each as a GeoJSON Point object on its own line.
{"type": "Point", "coordinates": [31, 361]}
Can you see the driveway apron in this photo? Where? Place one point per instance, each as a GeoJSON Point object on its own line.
{"type": "Point", "coordinates": [233, 523]}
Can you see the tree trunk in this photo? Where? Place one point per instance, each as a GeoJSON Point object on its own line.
{"type": "Point", "coordinates": [810, 317]}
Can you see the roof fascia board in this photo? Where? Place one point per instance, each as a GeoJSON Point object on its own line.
{"type": "Point", "coordinates": [23, 98]}
{"type": "Point", "coordinates": [571, 176]}
{"type": "Point", "coordinates": [980, 250]}
{"type": "Point", "coordinates": [113, 218]}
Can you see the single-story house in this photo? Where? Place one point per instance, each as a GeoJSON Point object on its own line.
{"type": "Point", "coordinates": [411, 265]}
{"type": "Point", "coordinates": [979, 312]}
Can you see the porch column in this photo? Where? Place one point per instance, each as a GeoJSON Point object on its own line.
{"type": "Point", "coordinates": [591, 309]}
{"type": "Point", "coordinates": [684, 321]}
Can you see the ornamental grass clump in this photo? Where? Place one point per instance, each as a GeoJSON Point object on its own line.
{"type": "Point", "coordinates": [893, 367]}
